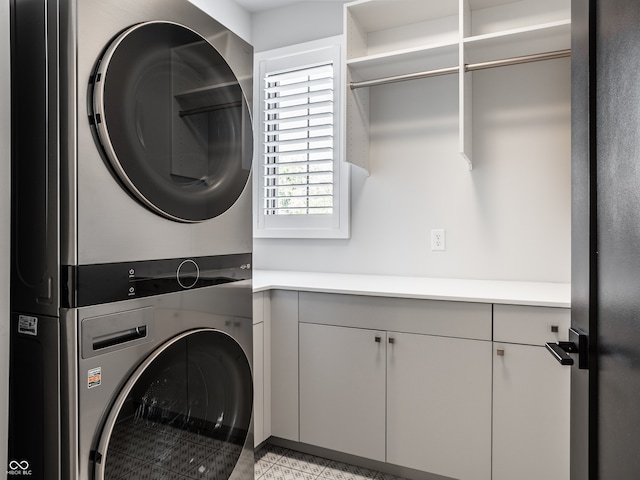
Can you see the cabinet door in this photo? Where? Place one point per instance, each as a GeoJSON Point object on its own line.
{"type": "Point", "coordinates": [258, 384]}
{"type": "Point", "coordinates": [439, 405]}
{"type": "Point", "coordinates": [342, 389]}
{"type": "Point", "coordinates": [284, 365]}
{"type": "Point", "coordinates": [530, 414]}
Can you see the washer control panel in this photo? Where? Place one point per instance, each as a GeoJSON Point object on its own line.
{"type": "Point", "coordinates": [188, 274]}
{"type": "Point", "coordinates": [111, 282]}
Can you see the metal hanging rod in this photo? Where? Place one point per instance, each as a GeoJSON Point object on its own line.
{"type": "Point", "coordinates": [467, 68]}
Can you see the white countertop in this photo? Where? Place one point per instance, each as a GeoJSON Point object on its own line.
{"type": "Point", "coordinates": [463, 290]}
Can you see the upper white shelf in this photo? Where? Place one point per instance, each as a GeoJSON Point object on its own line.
{"type": "Point", "coordinates": [378, 15]}
{"type": "Point", "coordinates": [390, 38]}
{"type": "Point", "coordinates": [482, 17]}
{"type": "Point", "coordinates": [547, 37]}
{"type": "Point", "coordinates": [400, 62]}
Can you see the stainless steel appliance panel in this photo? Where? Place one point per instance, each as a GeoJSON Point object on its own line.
{"type": "Point", "coordinates": [110, 224]}
{"type": "Point", "coordinates": [224, 308]}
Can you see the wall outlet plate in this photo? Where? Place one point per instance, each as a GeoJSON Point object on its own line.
{"type": "Point", "coordinates": [438, 239]}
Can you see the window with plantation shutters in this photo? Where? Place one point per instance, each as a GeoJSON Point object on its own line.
{"type": "Point", "coordinates": [298, 130]}
{"type": "Point", "coordinates": [301, 184]}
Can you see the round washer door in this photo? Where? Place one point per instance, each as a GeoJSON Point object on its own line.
{"type": "Point", "coordinates": [185, 413]}
{"type": "Point", "coordinates": [173, 121]}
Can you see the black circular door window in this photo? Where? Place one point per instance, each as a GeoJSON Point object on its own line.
{"type": "Point", "coordinates": [172, 121]}
{"type": "Point", "coordinates": [184, 414]}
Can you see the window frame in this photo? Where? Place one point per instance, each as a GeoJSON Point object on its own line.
{"type": "Point", "coordinates": [335, 225]}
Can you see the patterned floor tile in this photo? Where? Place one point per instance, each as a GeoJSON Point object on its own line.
{"type": "Point", "coordinates": [278, 472]}
{"type": "Point", "coordinates": [276, 463]}
{"type": "Point", "coordinates": [308, 458]}
{"type": "Point", "coordinates": [270, 453]}
{"type": "Point", "coordinates": [344, 471]}
{"type": "Point", "coordinates": [309, 464]}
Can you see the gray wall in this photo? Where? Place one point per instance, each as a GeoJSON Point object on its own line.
{"type": "Point", "coordinates": [297, 23]}
{"type": "Point", "coordinates": [507, 219]}
{"type": "Point", "coordinates": [228, 13]}
{"type": "Point", "coordinates": [4, 226]}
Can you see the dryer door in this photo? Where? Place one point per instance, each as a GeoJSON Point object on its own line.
{"type": "Point", "coordinates": [172, 120]}
{"type": "Point", "coordinates": [185, 413]}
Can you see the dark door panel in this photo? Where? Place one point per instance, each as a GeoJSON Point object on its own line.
{"type": "Point", "coordinates": [583, 219]}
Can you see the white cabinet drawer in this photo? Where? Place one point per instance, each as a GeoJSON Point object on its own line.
{"type": "Point", "coordinates": [428, 317]}
{"type": "Point", "coordinates": [530, 325]}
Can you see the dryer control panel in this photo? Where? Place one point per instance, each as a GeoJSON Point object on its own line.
{"type": "Point", "coordinates": [85, 285]}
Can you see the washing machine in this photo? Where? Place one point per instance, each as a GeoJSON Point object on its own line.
{"type": "Point", "coordinates": [153, 386]}
{"type": "Point", "coordinates": [163, 386]}
{"type": "Point", "coordinates": [131, 230]}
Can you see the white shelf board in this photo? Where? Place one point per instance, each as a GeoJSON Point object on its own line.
{"type": "Point", "coordinates": [374, 15]}
{"type": "Point", "coordinates": [410, 60]}
{"type": "Point", "coordinates": [503, 17]}
{"type": "Point", "coordinates": [482, 4]}
{"type": "Point", "coordinates": [519, 41]}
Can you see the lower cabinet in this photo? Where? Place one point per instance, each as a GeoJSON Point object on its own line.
{"type": "Point", "coordinates": [259, 435]}
{"type": "Point", "coordinates": [283, 365]}
{"type": "Point", "coordinates": [411, 399]}
{"type": "Point", "coordinates": [398, 381]}
{"type": "Point", "coordinates": [439, 405]}
{"type": "Point", "coordinates": [342, 389]}
{"type": "Point", "coordinates": [531, 395]}
{"type": "Point", "coordinates": [261, 382]}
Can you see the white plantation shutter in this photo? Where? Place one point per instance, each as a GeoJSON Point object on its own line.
{"type": "Point", "coordinates": [298, 130]}
{"type": "Point", "coordinates": [299, 170]}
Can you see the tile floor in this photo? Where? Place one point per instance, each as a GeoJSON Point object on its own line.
{"type": "Point", "coordinates": [277, 463]}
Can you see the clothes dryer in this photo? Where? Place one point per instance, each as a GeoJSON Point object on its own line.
{"type": "Point", "coordinates": [132, 137]}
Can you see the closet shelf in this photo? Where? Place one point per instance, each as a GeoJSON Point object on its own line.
{"type": "Point", "coordinates": [529, 40]}
{"type": "Point", "coordinates": [404, 61]}
{"type": "Point", "coordinates": [393, 41]}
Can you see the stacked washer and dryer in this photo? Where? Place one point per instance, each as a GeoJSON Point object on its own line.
{"type": "Point", "coordinates": [131, 325]}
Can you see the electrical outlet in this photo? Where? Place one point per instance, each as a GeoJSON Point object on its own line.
{"type": "Point", "coordinates": [438, 239]}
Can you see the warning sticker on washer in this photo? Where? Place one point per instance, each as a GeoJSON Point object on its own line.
{"type": "Point", "coordinates": [94, 377]}
{"type": "Point", "coordinates": [28, 325]}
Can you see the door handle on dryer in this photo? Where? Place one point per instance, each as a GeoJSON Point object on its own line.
{"type": "Point", "coordinates": [118, 338]}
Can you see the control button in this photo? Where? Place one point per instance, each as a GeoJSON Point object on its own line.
{"type": "Point", "coordinates": [188, 273]}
